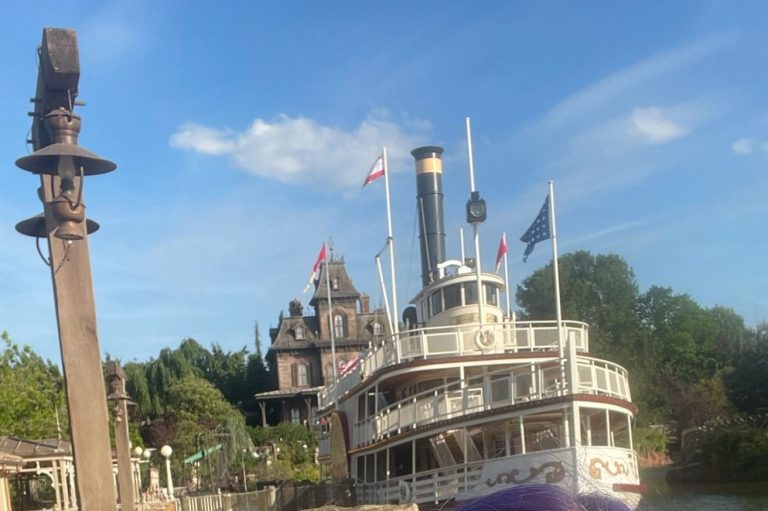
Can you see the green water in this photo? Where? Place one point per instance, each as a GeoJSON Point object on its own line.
{"type": "Point", "coordinates": [701, 497]}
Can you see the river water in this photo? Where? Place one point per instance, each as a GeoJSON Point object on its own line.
{"type": "Point", "coordinates": [701, 497]}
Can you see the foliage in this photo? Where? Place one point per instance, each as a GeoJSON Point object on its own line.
{"type": "Point", "coordinates": [747, 383]}
{"type": "Point", "coordinates": [600, 290]}
{"type": "Point", "coordinates": [737, 452]}
{"type": "Point", "coordinates": [295, 447]}
{"type": "Point", "coordinates": [31, 394]}
{"type": "Point", "coordinates": [650, 441]}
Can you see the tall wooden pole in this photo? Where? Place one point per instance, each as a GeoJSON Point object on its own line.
{"type": "Point", "coordinates": [73, 293]}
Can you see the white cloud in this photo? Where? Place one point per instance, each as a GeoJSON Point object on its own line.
{"type": "Point", "coordinates": [302, 150]}
{"type": "Point", "coordinates": [655, 127]}
{"type": "Point", "coordinates": [743, 146]}
{"type": "Point", "coordinates": [203, 139]}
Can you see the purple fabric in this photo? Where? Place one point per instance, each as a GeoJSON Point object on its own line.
{"type": "Point", "coordinates": [542, 497]}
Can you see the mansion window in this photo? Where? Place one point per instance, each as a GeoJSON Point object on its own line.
{"type": "Point", "coordinates": [338, 326]}
{"type": "Point", "coordinates": [377, 329]}
{"type": "Point", "coordinates": [295, 416]}
{"type": "Point", "coordinates": [300, 375]}
{"type": "Point", "coordinates": [298, 333]}
{"type": "Point", "coordinates": [335, 283]}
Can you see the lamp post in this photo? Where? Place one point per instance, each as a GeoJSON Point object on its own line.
{"type": "Point", "coordinates": [166, 452]}
{"type": "Point", "coordinates": [61, 165]}
{"type": "Point", "coordinates": [120, 399]}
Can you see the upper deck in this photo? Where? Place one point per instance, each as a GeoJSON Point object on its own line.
{"type": "Point", "coordinates": [438, 342]}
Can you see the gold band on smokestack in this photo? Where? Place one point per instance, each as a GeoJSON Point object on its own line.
{"type": "Point", "coordinates": [429, 192]}
{"type": "Point", "coordinates": [429, 164]}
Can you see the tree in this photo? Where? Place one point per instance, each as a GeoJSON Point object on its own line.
{"type": "Point", "coordinates": [32, 397]}
{"type": "Point", "coordinates": [747, 383]}
{"type": "Point", "coordinates": [600, 290]}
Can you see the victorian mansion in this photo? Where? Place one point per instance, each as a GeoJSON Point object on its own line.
{"type": "Point", "coordinates": [299, 357]}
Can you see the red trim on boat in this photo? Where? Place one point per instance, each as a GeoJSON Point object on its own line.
{"type": "Point", "coordinates": [630, 488]}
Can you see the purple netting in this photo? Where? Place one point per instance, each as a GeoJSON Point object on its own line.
{"type": "Point", "coordinates": [596, 502]}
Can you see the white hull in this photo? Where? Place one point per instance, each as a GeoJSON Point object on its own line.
{"type": "Point", "coordinates": [584, 470]}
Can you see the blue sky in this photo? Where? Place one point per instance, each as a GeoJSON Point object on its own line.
{"type": "Point", "coordinates": [243, 130]}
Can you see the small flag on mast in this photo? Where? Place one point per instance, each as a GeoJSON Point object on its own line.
{"type": "Point", "coordinates": [316, 267]}
{"type": "Point", "coordinates": [501, 253]}
{"type": "Point", "coordinates": [377, 171]}
{"type": "Point", "coordinates": [538, 231]}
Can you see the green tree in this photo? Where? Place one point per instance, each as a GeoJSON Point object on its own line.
{"type": "Point", "coordinates": [31, 393]}
{"type": "Point", "coordinates": [600, 290]}
{"type": "Point", "coordinates": [747, 383]}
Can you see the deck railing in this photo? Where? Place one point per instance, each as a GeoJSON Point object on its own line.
{"type": "Point", "coordinates": [510, 386]}
{"type": "Point", "coordinates": [465, 339]}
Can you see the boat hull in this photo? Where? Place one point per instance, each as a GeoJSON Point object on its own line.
{"type": "Point", "coordinates": [585, 470]}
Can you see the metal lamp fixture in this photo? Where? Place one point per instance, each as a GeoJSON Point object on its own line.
{"type": "Point", "coordinates": [65, 159]}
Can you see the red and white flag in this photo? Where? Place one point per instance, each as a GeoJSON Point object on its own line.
{"type": "Point", "coordinates": [349, 366]}
{"type": "Point", "coordinates": [502, 251]}
{"type": "Point", "coordinates": [316, 267]}
{"type": "Point", "coordinates": [376, 171]}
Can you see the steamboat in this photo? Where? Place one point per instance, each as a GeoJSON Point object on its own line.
{"type": "Point", "coordinates": [464, 400]}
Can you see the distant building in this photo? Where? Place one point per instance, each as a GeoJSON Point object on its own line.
{"type": "Point", "coordinates": [299, 357]}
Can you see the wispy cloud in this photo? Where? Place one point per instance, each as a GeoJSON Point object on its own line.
{"type": "Point", "coordinates": [654, 126]}
{"type": "Point", "coordinates": [302, 150]}
{"type": "Point", "coordinates": [743, 146]}
{"type": "Point", "coordinates": [611, 91]}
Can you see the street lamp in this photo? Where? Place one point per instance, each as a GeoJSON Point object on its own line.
{"type": "Point", "coordinates": [165, 452]}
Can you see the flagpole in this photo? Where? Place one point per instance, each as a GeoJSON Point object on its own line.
{"type": "Point", "coordinates": [506, 275]}
{"type": "Point", "coordinates": [560, 339]}
{"type": "Point", "coordinates": [331, 327]}
{"type": "Point", "coordinates": [475, 231]}
{"type": "Point", "coordinates": [377, 258]}
{"type": "Point", "coordinates": [395, 322]}
{"type": "Point", "coordinates": [558, 310]}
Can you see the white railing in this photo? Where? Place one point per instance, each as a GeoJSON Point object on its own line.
{"type": "Point", "coordinates": [510, 386]}
{"type": "Point", "coordinates": [451, 341]}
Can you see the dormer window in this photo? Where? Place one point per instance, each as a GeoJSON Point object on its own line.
{"type": "Point", "coordinates": [335, 283]}
{"type": "Point", "coordinates": [377, 329]}
{"type": "Point", "coordinates": [298, 333]}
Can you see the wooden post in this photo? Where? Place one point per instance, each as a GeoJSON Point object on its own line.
{"type": "Point", "coordinates": [73, 293]}
{"type": "Point", "coordinates": [120, 398]}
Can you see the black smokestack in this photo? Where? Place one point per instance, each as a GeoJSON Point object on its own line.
{"type": "Point", "coordinates": [429, 192]}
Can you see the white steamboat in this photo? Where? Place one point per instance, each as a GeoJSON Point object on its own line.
{"type": "Point", "coordinates": [452, 407]}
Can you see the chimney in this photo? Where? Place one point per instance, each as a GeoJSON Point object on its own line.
{"type": "Point", "coordinates": [295, 308]}
{"type": "Point", "coordinates": [365, 303]}
{"type": "Point", "coordinates": [429, 192]}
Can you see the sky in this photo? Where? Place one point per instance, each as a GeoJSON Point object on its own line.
{"type": "Point", "coordinates": [243, 131]}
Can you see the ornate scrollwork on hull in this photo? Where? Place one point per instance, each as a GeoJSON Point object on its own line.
{"type": "Point", "coordinates": [619, 468]}
{"type": "Point", "coordinates": [554, 472]}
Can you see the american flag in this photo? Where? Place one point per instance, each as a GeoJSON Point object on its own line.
{"type": "Point", "coordinates": [538, 231]}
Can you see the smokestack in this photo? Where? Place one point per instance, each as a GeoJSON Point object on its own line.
{"type": "Point", "coordinates": [429, 192]}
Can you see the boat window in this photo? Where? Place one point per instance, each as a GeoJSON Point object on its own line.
{"type": "Point", "coordinates": [437, 303]}
{"type": "Point", "coordinates": [543, 432]}
{"type": "Point", "coordinates": [619, 430]}
{"type": "Point", "coordinates": [452, 296]}
{"type": "Point", "coordinates": [470, 293]}
{"type": "Point", "coordinates": [361, 468]}
{"type": "Point", "coordinates": [500, 388]}
{"type": "Point", "coordinates": [491, 294]}
{"type": "Point", "coordinates": [369, 468]}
